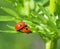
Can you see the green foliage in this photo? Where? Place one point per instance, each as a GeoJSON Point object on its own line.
{"type": "Point", "coordinates": [10, 11]}
{"type": "Point", "coordinates": [43, 20]}
{"type": "Point", "coordinates": [58, 23]}
{"type": "Point", "coordinates": [6, 18]}
{"type": "Point", "coordinates": [52, 6]}
{"type": "Point", "coordinates": [38, 14]}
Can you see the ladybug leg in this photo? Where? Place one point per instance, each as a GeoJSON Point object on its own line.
{"type": "Point", "coordinates": [18, 30]}
{"type": "Point", "coordinates": [30, 31]}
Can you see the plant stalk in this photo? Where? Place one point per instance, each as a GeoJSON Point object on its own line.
{"type": "Point", "coordinates": [51, 44]}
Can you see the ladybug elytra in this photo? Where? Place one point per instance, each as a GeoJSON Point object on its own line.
{"type": "Point", "coordinates": [20, 25]}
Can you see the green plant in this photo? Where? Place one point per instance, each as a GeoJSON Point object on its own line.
{"type": "Point", "coordinates": [37, 14]}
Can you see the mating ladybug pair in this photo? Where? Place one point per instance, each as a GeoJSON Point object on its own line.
{"type": "Point", "coordinates": [22, 27]}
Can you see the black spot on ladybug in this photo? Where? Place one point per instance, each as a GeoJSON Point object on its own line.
{"type": "Point", "coordinates": [20, 24]}
{"type": "Point", "coordinates": [26, 28]}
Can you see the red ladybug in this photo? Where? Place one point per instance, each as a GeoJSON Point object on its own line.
{"type": "Point", "coordinates": [21, 26]}
{"type": "Point", "coordinates": [26, 29]}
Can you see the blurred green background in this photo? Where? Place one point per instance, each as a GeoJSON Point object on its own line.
{"type": "Point", "coordinates": [20, 41]}
{"type": "Point", "coordinates": [11, 40]}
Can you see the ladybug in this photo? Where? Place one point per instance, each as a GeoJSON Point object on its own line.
{"type": "Point", "coordinates": [22, 27]}
{"type": "Point", "coordinates": [26, 29]}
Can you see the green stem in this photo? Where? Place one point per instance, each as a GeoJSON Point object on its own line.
{"type": "Point", "coordinates": [51, 44]}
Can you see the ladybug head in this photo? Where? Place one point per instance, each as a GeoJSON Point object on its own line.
{"type": "Point", "coordinates": [20, 25]}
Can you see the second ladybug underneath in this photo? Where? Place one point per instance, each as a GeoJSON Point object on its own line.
{"type": "Point", "coordinates": [21, 26]}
